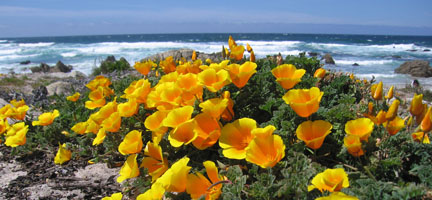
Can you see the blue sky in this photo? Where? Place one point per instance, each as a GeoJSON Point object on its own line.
{"type": "Point", "coordinates": [90, 17]}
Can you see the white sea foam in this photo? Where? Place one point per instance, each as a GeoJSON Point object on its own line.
{"type": "Point", "coordinates": [39, 44]}
{"type": "Point", "coordinates": [70, 54]}
{"type": "Point", "coordinates": [368, 76]}
{"type": "Point", "coordinates": [3, 41]}
{"type": "Point", "coordinates": [363, 62]}
{"type": "Point", "coordinates": [268, 43]}
{"type": "Point", "coordinates": [8, 51]}
{"type": "Point", "coordinates": [16, 57]}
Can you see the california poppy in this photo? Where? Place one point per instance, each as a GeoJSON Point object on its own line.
{"type": "Point", "coordinates": [132, 143]}
{"type": "Point", "coordinates": [376, 90]}
{"type": "Point", "coordinates": [394, 125]}
{"type": "Point", "coordinates": [313, 133]}
{"type": "Point", "coordinates": [129, 169]}
{"type": "Point", "coordinates": [320, 73]}
{"type": "Point", "coordinates": [361, 127]}
{"type": "Point", "coordinates": [421, 137]}
{"type": "Point", "coordinates": [46, 118]}
{"type": "Point", "coordinates": [154, 162]}
{"type": "Point", "coordinates": [235, 137]}
{"type": "Point", "coordinates": [353, 145]}
{"type": "Point", "coordinates": [304, 101]}
{"type": "Point", "coordinates": [16, 135]}
{"type": "Point", "coordinates": [208, 131]}
{"type": "Point", "coordinates": [73, 97]}
{"type": "Point", "coordinates": [390, 93]}
{"type": "Point", "coordinates": [63, 155]}
{"type": "Point", "coordinates": [416, 107]}
{"type": "Point", "coordinates": [332, 180]}
{"type": "Point", "coordinates": [175, 178]}
{"type": "Point", "coordinates": [198, 185]}
{"type": "Point", "coordinates": [392, 112]}
{"type": "Point", "coordinates": [213, 80]}
{"type": "Point", "coordinates": [287, 75]}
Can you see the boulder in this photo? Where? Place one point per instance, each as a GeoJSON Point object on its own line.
{"type": "Point", "coordinates": [328, 59]}
{"type": "Point", "coordinates": [60, 67]}
{"type": "Point", "coordinates": [25, 62]}
{"type": "Point", "coordinates": [426, 50]}
{"type": "Point", "coordinates": [59, 88]}
{"type": "Point", "coordinates": [313, 54]}
{"type": "Point", "coordinates": [40, 94]}
{"type": "Point", "coordinates": [355, 64]}
{"type": "Point", "coordinates": [185, 53]}
{"type": "Point", "coordinates": [416, 68]}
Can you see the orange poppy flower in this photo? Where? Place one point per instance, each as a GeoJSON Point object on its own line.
{"type": "Point", "coordinates": [154, 161]}
{"type": "Point", "coordinates": [4, 125]}
{"type": "Point", "coordinates": [73, 97]}
{"type": "Point", "coordinates": [287, 75]}
{"type": "Point", "coordinates": [177, 116]}
{"type": "Point", "coordinates": [228, 113]}
{"type": "Point", "coordinates": [175, 178]}
{"type": "Point", "coordinates": [19, 113]}
{"type": "Point", "coordinates": [376, 90]}
{"type": "Point", "coordinates": [231, 42]}
{"type": "Point", "coordinates": [237, 52]}
{"type": "Point", "coordinates": [129, 169]}
{"type": "Point", "coordinates": [235, 137]}
{"type": "Point", "coordinates": [165, 96]}
{"type": "Point", "coordinates": [337, 196]}
{"type": "Point", "coordinates": [156, 192]}
{"type": "Point", "coordinates": [138, 90]}
{"type": "Point", "coordinates": [240, 74]}
{"type": "Point", "coordinates": [168, 65]}
{"type": "Point", "coordinates": [390, 93]}
{"type": "Point", "coordinates": [132, 143]}
{"type": "Point", "coordinates": [198, 185]}
{"type": "Point", "coordinates": [194, 55]}
{"type": "Point", "coordinates": [266, 149]}
{"type": "Point", "coordinates": [380, 117]}
{"type": "Point", "coordinates": [17, 104]}
{"type": "Point", "coordinates": [361, 127]}
{"type": "Point", "coordinates": [100, 137]}
{"type": "Point", "coordinates": [208, 131]}
{"type": "Point", "coordinates": [304, 101]}
{"type": "Point", "coordinates": [353, 145]}
{"type": "Point", "coordinates": [313, 133]}
{"type": "Point", "coordinates": [320, 73]}
{"type": "Point", "coordinates": [418, 137]}
{"type": "Point", "coordinates": [183, 134]}
{"type": "Point", "coordinates": [426, 123]}
{"type": "Point", "coordinates": [80, 127]}
{"type": "Point", "coordinates": [332, 180]}
{"type": "Point", "coordinates": [154, 124]}
{"type": "Point", "coordinates": [416, 107]}
{"type": "Point", "coordinates": [394, 125]}
{"type": "Point", "coordinates": [144, 67]}
{"type": "Point", "coordinates": [252, 56]}
{"type": "Point", "coordinates": [392, 112]}
{"type": "Point", "coordinates": [213, 80]}
{"type": "Point", "coordinates": [46, 119]}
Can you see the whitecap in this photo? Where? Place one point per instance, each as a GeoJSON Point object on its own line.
{"type": "Point", "coordinates": [364, 62]}
{"type": "Point", "coordinates": [377, 75]}
{"type": "Point", "coordinates": [39, 44]}
{"type": "Point", "coordinates": [70, 54]}
{"type": "Point", "coordinates": [3, 41]}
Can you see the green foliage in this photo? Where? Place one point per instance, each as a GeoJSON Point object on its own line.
{"type": "Point", "coordinates": [111, 66]}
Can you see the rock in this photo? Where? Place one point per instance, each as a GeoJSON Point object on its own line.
{"type": "Point", "coordinates": [313, 54]}
{"type": "Point", "coordinates": [328, 59]}
{"type": "Point", "coordinates": [59, 88]}
{"type": "Point", "coordinates": [416, 68]}
{"type": "Point", "coordinates": [43, 67]}
{"type": "Point", "coordinates": [3, 102]}
{"type": "Point", "coordinates": [412, 50]}
{"type": "Point", "coordinates": [110, 59]}
{"type": "Point", "coordinates": [355, 64]}
{"type": "Point", "coordinates": [60, 67]}
{"type": "Point", "coordinates": [426, 50]}
{"type": "Point", "coordinates": [25, 62]}
{"type": "Point", "coordinates": [185, 53]}
{"type": "Point", "coordinates": [396, 56]}
{"type": "Point", "coordinates": [40, 94]}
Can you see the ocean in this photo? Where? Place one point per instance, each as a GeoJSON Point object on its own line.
{"type": "Point", "coordinates": [377, 55]}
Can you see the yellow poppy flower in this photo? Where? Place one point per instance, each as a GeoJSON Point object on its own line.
{"type": "Point", "coordinates": [208, 131]}
{"type": "Point", "coordinates": [252, 56]}
{"type": "Point", "coordinates": [418, 137]}
{"type": "Point", "coordinates": [235, 137]}
{"type": "Point", "coordinates": [115, 196]}
{"type": "Point", "coordinates": [320, 73]}
{"type": "Point", "coordinates": [154, 161]}
{"type": "Point", "coordinates": [213, 80]}
{"type": "Point", "coordinates": [353, 145]}
{"type": "Point", "coordinates": [128, 109]}
{"type": "Point", "coordinates": [4, 125]}
{"type": "Point", "coordinates": [183, 133]}
{"type": "Point", "coordinates": [177, 116]}
{"type": "Point", "coordinates": [154, 124]}
{"type": "Point", "coordinates": [46, 119]}
{"type": "Point", "coordinates": [129, 169]}
{"type": "Point", "coordinates": [156, 192]}
{"type": "Point", "coordinates": [237, 52]}
{"type": "Point", "coordinates": [416, 107]}
{"type": "Point", "coordinates": [376, 90]}
{"type": "Point", "coordinates": [138, 90]}
{"type": "Point", "coordinates": [392, 111]}
{"type": "Point", "coordinates": [19, 113]}
{"type": "Point", "coordinates": [100, 137]}
{"type": "Point", "coordinates": [92, 126]}
{"type": "Point", "coordinates": [381, 117]}
{"type": "Point", "coordinates": [112, 123]}
{"type": "Point", "coordinates": [395, 125]}
{"type": "Point", "coordinates": [313, 133]}
{"type": "Point", "coordinates": [73, 97]}
{"type": "Point", "coordinates": [390, 93]}
{"type": "Point", "coordinates": [16, 135]}
{"type": "Point", "coordinates": [337, 196]}
{"type": "Point", "coordinates": [361, 127]}
{"type": "Point", "coordinates": [231, 42]}
{"type": "Point", "coordinates": [198, 185]}
{"type": "Point", "coordinates": [240, 74]}
{"type": "Point", "coordinates": [214, 107]}
{"type": "Point", "coordinates": [80, 127]}
{"type": "Point", "coordinates": [63, 155]}
{"type": "Point", "coordinates": [287, 75]}
{"type": "Point", "coordinates": [194, 55]}
{"type": "Point", "coordinates": [17, 104]}
{"type": "Point", "coordinates": [266, 149]}
{"type": "Point", "coordinates": [165, 96]}
{"type": "Point", "coordinates": [175, 178]}
{"type": "Point", "coordinates": [332, 180]}
{"type": "Point", "coordinates": [98, 81]}
{"type": "Point", "coordinates": [132, 143]}
{"type": "Point", "coordinates": [144, 67]}
{"type": "Point", "coordinates": [304, 101]}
